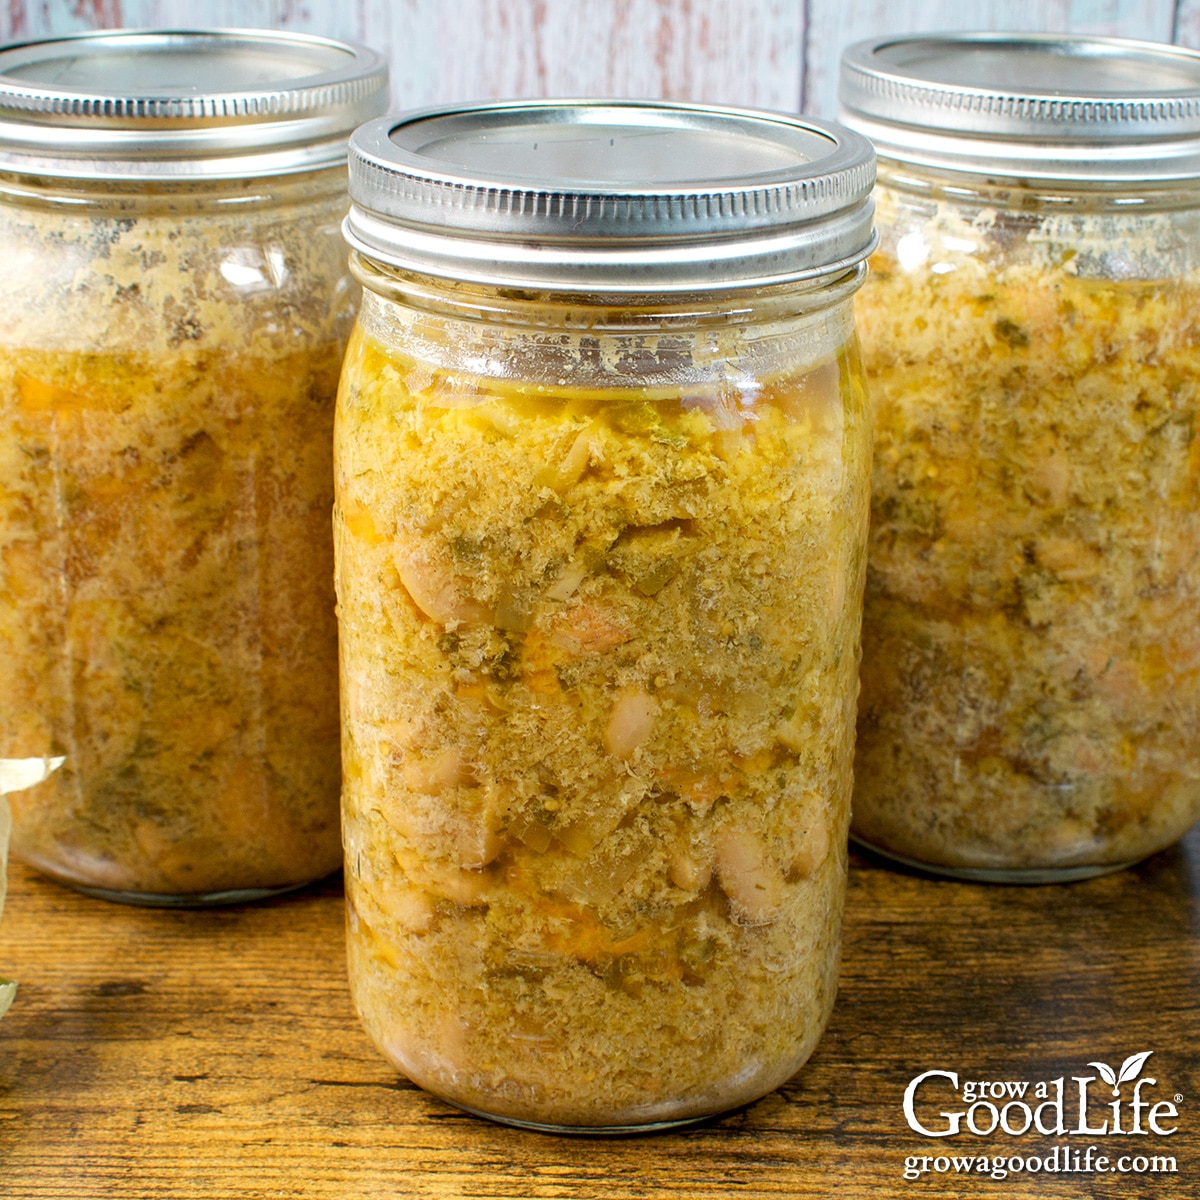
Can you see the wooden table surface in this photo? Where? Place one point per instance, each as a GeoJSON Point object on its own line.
{"type": "Point", "coordinates": [214, 1054]}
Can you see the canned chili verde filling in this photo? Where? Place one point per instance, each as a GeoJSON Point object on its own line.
{"type": "Point", "coordinates": [172, 320]}
{"type": "Point", "coordinates": [1031, 678]}
{"type": "Point", "coordinates": [601, 461]}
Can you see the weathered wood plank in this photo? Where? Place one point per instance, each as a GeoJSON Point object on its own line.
{"type": "Point", "coordinates": [834, 25]}
{"type": "Point", "coordinates": [708, 50]}
{"type": "Point", "coordinates": [22, 19]}
{"type": "Point", "coordinates": [207, 1055]}
{"type": "Point", "coordinates": [1187, 23]}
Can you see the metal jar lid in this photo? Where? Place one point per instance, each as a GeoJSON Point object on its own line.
{"type": "Point", "coordinates": [178, 105]}
{"type": "Point", "coordinates": [1028, 106]}
{"type": "Point", "coordinates": [628, 196]}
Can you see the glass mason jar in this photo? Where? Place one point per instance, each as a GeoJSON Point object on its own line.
{"type": "Point", "coordinates": [601, 468]}
{"type": "Point", "coordinates": [173, 311]}
{"type": "Point", "coordinates": [1030, 704]}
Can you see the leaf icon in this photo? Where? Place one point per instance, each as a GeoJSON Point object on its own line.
{"type": "Point", "coordinates": [1107, 1074]}
{"type": "Point", "coordinates": [1132, 1065]}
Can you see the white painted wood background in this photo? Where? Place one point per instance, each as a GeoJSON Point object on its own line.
{"type": "Point", "coordinates": [769, 53]}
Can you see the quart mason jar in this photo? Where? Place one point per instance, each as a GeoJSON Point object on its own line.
{"type": "Point", "coordinates": [601, 457]}
{"type": "Point", "coordinates": [1030, 704]}
{"type": "Point", "coordinates": [173, 308]}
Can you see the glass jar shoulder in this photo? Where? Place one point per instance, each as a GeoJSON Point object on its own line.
{"type": "Point", "coordinates": [558, 354]}
{"type": "Point", "coordinates": [931, 224]}
{"type": "Point", "coordinates": [175, 270]}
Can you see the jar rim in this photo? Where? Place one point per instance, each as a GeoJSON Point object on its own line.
{"type": "Point", "coordinates": [610, 195]}
{"type": "Point", "coordinates": [563, 308]}
{"type": "Point", "coordinates": [1045, 107]}
{"type": "Point", "coordinates": [171, 104]}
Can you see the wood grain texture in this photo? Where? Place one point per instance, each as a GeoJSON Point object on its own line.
{"type": "Point", "coordinates": [707, 50]}
{"type": "Point", "coordinates": [25, 19]}
{"type": "Point", "coordinates": [1187, 23]}
{"type": "Point", "coordinates": [213, 1055]}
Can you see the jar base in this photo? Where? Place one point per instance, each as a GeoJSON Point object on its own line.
{"type": "Point", "coordinates": [166, 900]}
{"type": "Point", "coordinates": [1006, 875]}
{"type": "Point", "coordinates": [579, 1130]}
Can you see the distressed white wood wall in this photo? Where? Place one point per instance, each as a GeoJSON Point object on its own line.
{"type": "Point", "coordinates": [769, 53]}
